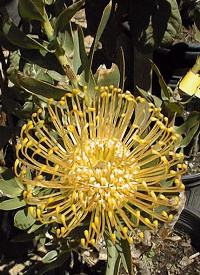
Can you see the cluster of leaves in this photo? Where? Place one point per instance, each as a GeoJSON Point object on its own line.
{"type": "Point", "coordinates": [176, 106]}
{"type": "Point", "coordinates": [50, 37]}
{"type": "Point", "coordinates": [46, 58]}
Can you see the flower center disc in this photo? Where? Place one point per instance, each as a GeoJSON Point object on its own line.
{"type": "Point", "coordinates": [102, 167]}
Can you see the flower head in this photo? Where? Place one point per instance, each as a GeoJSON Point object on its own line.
{"type": "Point", "coordinates": [113, 163]}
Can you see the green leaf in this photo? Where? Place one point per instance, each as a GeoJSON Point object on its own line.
{"type": "Point", "coordinates": [106, 77]}
{"type": "Point", "coordinates": [101, 27]}
{"type": "Point", "coordinates": [11, 204]}
{"type": "Point", "coordinates": [82, 51]}
{"type": "Point", "coordinates": [173, 108]}
{"type": "Point", "coordinates": [152, 98]}
{"type": "Point", "coordinates": [189, 128]}
{"type": "Point", "coordinates": [56, 76]}
{"type": "Point", "coordinates": [124, 249]}
{"type": "Point", "coordinates": [66, 40]}
{"type": "Point", "coordinates": [20, 39]}
{"type": "Point", "coordinates": [35, 71]}
{"type": "Point", "coordinates": [10, 188]}
{"type": "Point", "coordinates": [190, 122]}
{"type": "Point", "coordinates": [39, 88]}
{"type": "Point", "coordinates": [65, 16]}
{"type": "Point", "coordinates": [23, 220]}
{"type": "Point", "coordinates": [166, 91]}
{"type": "Point", "coordinates": [76, 56]}
{"type": "Point", "coordinates": [81, 63]}
{"type": "Point", "coordinates": [32, 10]}
{"type": "Point", "coordinates": [113, 260]}
{"type": "Point", "coordinates": [50, 257]}
{"type": "Point", "coordinates": [188, 138]}
{"type": "Point", "coordinates": [25, 111]}
{"type": "Point", "coordinates": [35, 227]}
{"type": "Point", "coordinates": [40, 268]}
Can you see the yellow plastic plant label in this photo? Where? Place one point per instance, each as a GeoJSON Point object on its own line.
{"type": "Point", "coordinates": [190, 84]}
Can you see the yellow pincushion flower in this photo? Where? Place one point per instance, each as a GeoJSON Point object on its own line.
{"type": "Point", "coordinates": [113, 163]}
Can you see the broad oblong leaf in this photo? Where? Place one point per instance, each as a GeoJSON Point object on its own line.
{"type": "Point", "coordinates": [41, 268]}
{"type": "Point", "coordinates": [189, 128]}
{"type": "Point", "coordinates": [152, 98]}
{"type": "Point", "coordinates": [15, 36]}
{"type": "Point", "coordinates": [192, 120]}
{"type": "Point", "coordinates": [76, 56]}
{"type": "Point", "coordinates": [188, 138]}
{"type": "Point", "coordinates": [11, 204]}
{"type": "Point", "coordinates": [10, 188]}
{"type": "Point", "coordinates": [65, 16]}
{"type": "Point", "coordinates": [82, 51]}
{"type": "Point", "coordinates": [23, 220]}
{"type": "Point", "coordinates": [81, 63]}
{"type": "Point", "coordinates": [32, 10]}
{"type": "Point", "coordinates": [113, 258]}
{"type": "Point", "coordinates": [173, 108]}
{"type": "Point", "coordinates": [50, 257]}
{"type": "Point", "coordinates": [35, 227]}
{"type": "Point", "coordinates": [166, 91]}
{"type": "Point", "coordinates": [66, 40]}
{"type": "Point", "coordinates": [39, 88]}
{"type": "Point", "coordinates": [101, 27]}
{"type": "Point", "coordinates": [124, 249]}
{"type": "Point", "coordinates": [56, 76]}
